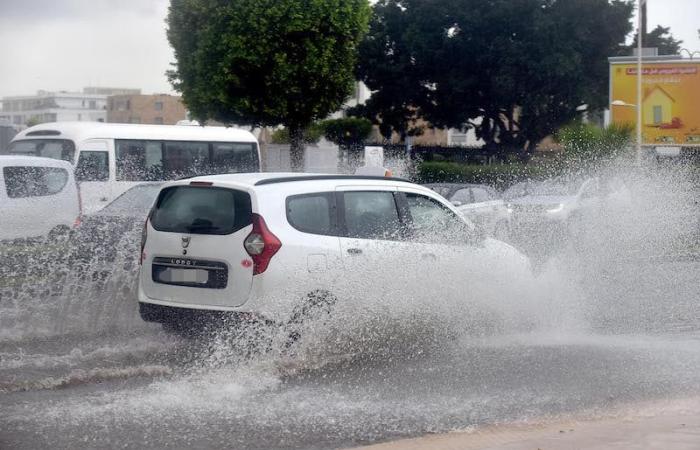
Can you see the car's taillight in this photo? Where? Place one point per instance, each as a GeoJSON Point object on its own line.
{"type": "Point", "coordinates": [144, 235]}
{"type": "Point", "coordinates": [261, 245]}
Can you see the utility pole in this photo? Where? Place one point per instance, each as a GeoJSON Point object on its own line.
{"type": "Point", "coordinates": [641, 30]}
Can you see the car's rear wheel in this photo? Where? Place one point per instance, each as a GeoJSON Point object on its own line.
{"type": "Point", "coordinates": [315, 308]}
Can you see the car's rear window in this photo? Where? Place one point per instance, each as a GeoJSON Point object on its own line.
{"type": "Point", "coordinates": [201, 210]}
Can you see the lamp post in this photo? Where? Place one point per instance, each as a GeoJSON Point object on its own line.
{"type": "Point", "coordinates": [640, 32]}
{"type": "Point", "coordinates": [690, 54]}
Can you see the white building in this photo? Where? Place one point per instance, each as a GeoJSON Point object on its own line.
{"type": "Point", "coordinates": [89, 105]}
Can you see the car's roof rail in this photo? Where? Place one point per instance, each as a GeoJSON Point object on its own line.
{"type": "Point", "coordinates": [326, 177]}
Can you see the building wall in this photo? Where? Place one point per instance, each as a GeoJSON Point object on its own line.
{"type": "Point", "coordinates": [89, 105]}
{"type": "Point", "coordinates": [161, 109]}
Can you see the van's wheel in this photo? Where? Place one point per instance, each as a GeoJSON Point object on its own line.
{"type": "Point", "coordinates": [316, 307]}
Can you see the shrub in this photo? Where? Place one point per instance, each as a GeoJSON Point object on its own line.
{"type": "Point", "coordinates": [588, 144]}
{"type": "Point", "coordinates": [500, 176]}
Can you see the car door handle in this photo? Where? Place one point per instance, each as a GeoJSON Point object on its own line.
{"type": "Point", "coordinates": [429, 256]}
{"type": "Point", "coordinates": [355, 251]}
{"type": "Point", "coordinates": [103, 199]}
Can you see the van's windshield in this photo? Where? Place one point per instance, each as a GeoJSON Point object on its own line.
{"type": "Point", "coordinates": [62, 149]}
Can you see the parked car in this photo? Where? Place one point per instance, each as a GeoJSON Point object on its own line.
{"type": "Point", "coordinates": [564, 204]}
{"type": "Point", "coordinates": [273, 246]}
{"type": "Point", "coordinates": [38, 197]}
{"type": "Point", "coordinates": [480, 203]}
{"type": "Point", "coordinates": [116, 228]}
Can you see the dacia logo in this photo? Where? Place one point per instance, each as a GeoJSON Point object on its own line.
{"type": "Point", "coordinates": [181, 262]}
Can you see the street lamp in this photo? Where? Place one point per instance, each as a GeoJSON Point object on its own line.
{"type": "Point", "coordinates": [639, 126]}
{"type": "Point", "coordinates": [640, 31]}
{"type": "Point", "coordinates": [622, 103]}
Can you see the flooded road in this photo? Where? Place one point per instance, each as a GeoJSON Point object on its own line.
{"type": "Point", "coordinates": [147, 389]}
{"type": "Point", "coordinates": [606, 329]}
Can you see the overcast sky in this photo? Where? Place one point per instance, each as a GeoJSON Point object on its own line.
{"type": "Point", "coordinates": [68, 44]}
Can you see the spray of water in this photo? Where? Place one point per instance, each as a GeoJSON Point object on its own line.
{"type": "Point", "coordinates": [603, 278]}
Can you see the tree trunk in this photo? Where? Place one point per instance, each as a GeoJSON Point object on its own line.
{"type": "Point", "coordinates": [296, 148]}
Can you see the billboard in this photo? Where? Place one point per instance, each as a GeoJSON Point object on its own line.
{"type": "Point", "coordinates": [670, 100]}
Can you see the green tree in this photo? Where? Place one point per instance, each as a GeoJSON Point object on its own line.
{"type": "Point", "coordinates": [266, 62]}
{"type": "Point", "coordinates": [33, 120]}
{"type": "Point", "coordinates": [312, 134]}
{"type": "Point", "coordinates": [661, 38]}
{"type": "Point", "coordinates": [347, 131]}
{"type": "Point", "coordinates": [515, 71]}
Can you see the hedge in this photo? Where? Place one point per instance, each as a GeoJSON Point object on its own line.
{"type": "Point", "coordinates": [500, 176]}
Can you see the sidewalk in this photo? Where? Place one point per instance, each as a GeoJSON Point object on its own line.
{"type": "Point", "coordinates": [651, 428]}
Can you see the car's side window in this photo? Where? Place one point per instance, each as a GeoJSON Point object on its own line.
{"type": "Point", "coordinates": [481, 195]}
{"type": "Point", "coordinates": [312, 213]}
{"type": "Point", "coordinates": [371, 215]}
{"type": "Point", "coordinates": [433, 222]}
{"type": "Point", "coordinates": [463, 196]}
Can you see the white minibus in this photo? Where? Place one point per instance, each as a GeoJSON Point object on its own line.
{"type": "Point", "coordinates": [111, 158]}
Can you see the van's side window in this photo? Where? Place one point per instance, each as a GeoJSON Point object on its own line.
{"type": "Point", "coordinates": [139, 160]}
{"type": "Point", "coordinates": [312, 213]}
{"type": "Point", "coordinates": [92, 166]}
{"type": "Point", "coordinates": [230, 157]}
{"type": "Point", "coordinates": [31, 181]}
{"type": "Point", "coordinates": [185, 159]}
{"type": "Point", "coordinates": [371, 215]}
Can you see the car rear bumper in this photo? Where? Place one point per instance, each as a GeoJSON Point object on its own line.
{"type": "Point", "coordinates": [175, 315]}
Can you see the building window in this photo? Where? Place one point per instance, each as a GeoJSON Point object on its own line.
{"type": "Point", "coordinates": [159, 106]}
{"type": "Point", "coordinates": [93, 104]}
{"type": "Point", "coordinates": [158, 121]}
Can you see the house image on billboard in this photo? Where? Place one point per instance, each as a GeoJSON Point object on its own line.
{"type": "Point", "coordinates": [658, 107]}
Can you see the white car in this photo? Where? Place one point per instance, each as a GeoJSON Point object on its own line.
{"type": "Point", "coordinates": [479, 203]}
{"type": "Point", "coordinates": [265, 245]}
{"type": "Point", "coordinates": [38, 197]}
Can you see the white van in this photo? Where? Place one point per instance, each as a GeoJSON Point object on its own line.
{"type": "Point", "coordinates": [38, 197]}
{"type": "Point", "coordinates": [111, 158]}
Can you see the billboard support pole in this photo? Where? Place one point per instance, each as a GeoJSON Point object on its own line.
{"type": "Point", "coordinates": [640, 32]}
